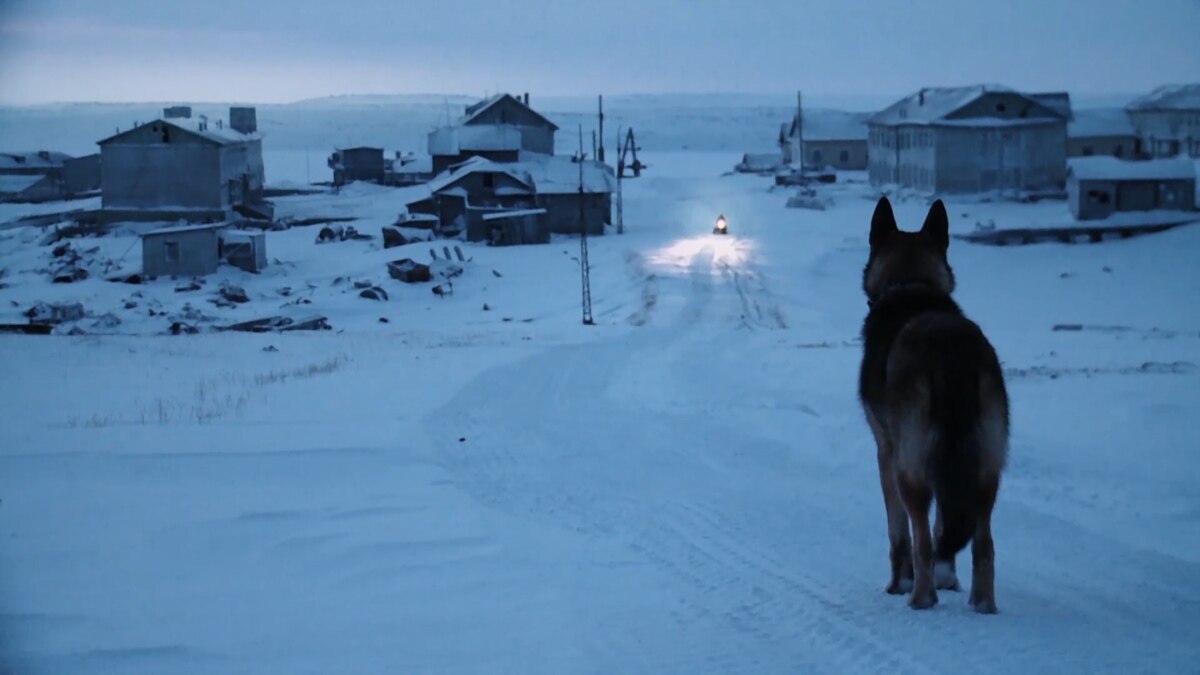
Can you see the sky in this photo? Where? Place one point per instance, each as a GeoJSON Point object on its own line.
{"type": "Point", "coordinates": [277, 51]}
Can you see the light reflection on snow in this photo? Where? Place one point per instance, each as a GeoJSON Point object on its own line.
{"type": "Point", "coordinates": [704, 254]}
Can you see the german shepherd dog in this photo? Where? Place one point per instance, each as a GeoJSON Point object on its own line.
{"type": "Point", "coordinates": [934, 397]}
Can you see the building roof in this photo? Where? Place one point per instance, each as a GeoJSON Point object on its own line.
{"type": "Point", "coordinates": [1058, 101]}
{"type": "Point", "coordinates": [15, 184]}
{"type": "Point", "coordinates": [933, 105]}
{"type": "Point", "coordinates": [1169, 97]}
{"type": "Point", "coordinates": [450, 176]}
{"type": "Point", "coordinates": [1113, 169]}
{"type": "Point", "coordinates": [478, 138]}
{"type": "Point", "coordinates": [831, 125]}
{"type": "Point", "coordinates": [1100, 122]}
{"type": "Point", "coordinates": [543, 174]}
{"type": "Point", "coordinates": [218, 136]}
{"type": "Point", "coordinates": [475, 110]}
{"type": "Point", "coordinates": [43, 159]}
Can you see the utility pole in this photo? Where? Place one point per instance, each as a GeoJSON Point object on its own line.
{"type": "Point", "coordinates": [800, 131]}
{"type": "Point", "coordinates": [600, 151]}
{"type": "Point", "coordinates": [584, 265]}
{"type": "Point", "coordinates": [620, 194]}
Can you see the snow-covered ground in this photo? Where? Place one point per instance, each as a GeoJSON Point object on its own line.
{"type": "Point", "coordinates": [687, 486]}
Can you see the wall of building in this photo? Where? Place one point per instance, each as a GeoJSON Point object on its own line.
{"type": "Point", "coordinates": [149, 176]}
{"type": "Point", "coordinates": [535, 135]}
{"type": "Point", "coordinates": [848, 155]}
{"type": "Point", "coordinates": [365, 164]}
{"type": "Point", "coordinates": [1166, 133]}
{"type": "Point", "coordinates": [562, 212]}
{"type": "Point", "coordinates": [1090, 199]}
{"type": "Point", "coordinates": [197, 253]}
{"type": "Point", "coordinates": [981, 159]}
{"type": "Point", "coordinates": [1103, 146]}
{"type": "Point", "coordinates": [241, 173]}
{"type": "Point", "coordinates": [443, 162]}
{"type": "Point", "coordinates": [81, 174]}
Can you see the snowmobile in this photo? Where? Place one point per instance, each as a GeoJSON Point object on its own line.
{"type": "Point", "coordinates": [721, 227]}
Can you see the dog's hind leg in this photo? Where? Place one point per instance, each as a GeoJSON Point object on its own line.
{"type": "Point", "coordinates": [983, 554]}
{"type": "Point", "coordinates": [917, 496]}
{"type": "Point", "coordinates": [900, 543]}
{"type": "Point", "coordinates": [949, 539]}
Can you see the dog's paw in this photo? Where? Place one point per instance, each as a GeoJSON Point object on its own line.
{"type": "Point", "coordinates": [983, 605]}
{"type": "Point", "coordinates": [923, 600]}
{"type": "Point", "coordinates": [900, 587]}
{"type": "Point", "coordinates": [944, 578]}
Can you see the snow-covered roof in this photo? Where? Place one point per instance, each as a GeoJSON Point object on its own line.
{"type": "Point", "coordinates": [11, 184]}
{"type": "Point", "coordinates": [559, 174]}
{"type": "Point", "coordinates": [418, 165]}
{"type": "Point", "coordinates": [544, 174]}
{"type": "Point", "coordinates": [1169, 97]}
{"type": "Point", "coordinates": [1100, 122]}
{"type": "Point", "coordinates": [441, 183]}
{"type": "Point", "coordinates": [831, 125]}
{"type": "Point", "coordinates": [475, 110]}
{"type": "Point", "coordinates": [32, 160]}
{"type": "Point", "coordinates": [1111, 168]}
{"type": "Point", "coordinates": [219, 136]}
{"type": "Point", "coordinates": [1058, 101]}
{"type": "Point", "coordinates": [478, 138]}
{"type": "Point", "coordinates": [933, 104]}
{"type": "Point", "coordinates": [514, 213]}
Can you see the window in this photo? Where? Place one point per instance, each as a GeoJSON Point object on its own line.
{"type": "Point", "coordinates": [844, 156]}
{"type": "Point", "coordinates": [171, 251]}
{"type": "Point", "coordinates": [816, 156]}
{"type": "Point", "coordinates": [489, 181]}
{"type": "Point", "coordinates": [1098, 196]}
{"type": "Point", "coordinates": [1000, 107]}
{"type": "Point", "coordinates": [1086, 151]}
{"type": "Point", "coordinates": [1118, 151]}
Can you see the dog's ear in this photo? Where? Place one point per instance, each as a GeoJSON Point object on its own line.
{"type": "Point", "coordinates": [883, 222]}
{"type": "Point", "coordinates": [937, 225]}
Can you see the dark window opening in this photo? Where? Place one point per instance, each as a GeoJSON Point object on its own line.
{"type": "Point", "coordinates": [816, 156]}
{"type": "Point", "coordinates": [1000, 107]}
{"type": "Point", "coordinates": [489, 181]}
{"type": "Point", "coordinates": [1087, 151]}
{"type": "Point", "coordinates": [1098, 197]}
{"type": "Point", "coordinates": [171, 251]}
{"type": "Point", "coordinates": [1119, 151]}
{"type": "Point", "coordinates": [845, 156]}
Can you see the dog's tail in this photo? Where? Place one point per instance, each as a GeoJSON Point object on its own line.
{"type": "Point", "coordinates": [957, 407]}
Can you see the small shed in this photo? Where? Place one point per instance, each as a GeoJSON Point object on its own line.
{"type": "Point", "coordinates": [1097, 187]}
{"type": "Point", "coordinates": [189, 250]}
{"type": "Point", "coordinates": [360, 163]}
{"type": "Point", "coordinates": [244, 249]}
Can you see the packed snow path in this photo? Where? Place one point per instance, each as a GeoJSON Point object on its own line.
{"type": "Point", "coordinates": [687, 487]}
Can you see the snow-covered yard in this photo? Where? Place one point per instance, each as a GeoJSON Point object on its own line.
{"type": "Point", "coordinates": [687, 486]}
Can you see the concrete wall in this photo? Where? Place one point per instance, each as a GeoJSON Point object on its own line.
{"type": "Point", "coordinates": [197, 253]}
{"type": "Point", "coordinates": [1168, 133]}
{"type": "Point", "coordinates": [1103, 146]}
{"type": "Point", "coordinates": [843, 155]}
{"type": "Point", "coordinates": [136, 176]}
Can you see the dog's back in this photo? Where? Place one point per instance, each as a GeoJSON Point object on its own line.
{"type": "Point", "coordinates": [934, 394]}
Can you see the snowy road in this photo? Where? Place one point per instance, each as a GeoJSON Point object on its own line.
{"type": "Point", "coordinates": [689, 487]}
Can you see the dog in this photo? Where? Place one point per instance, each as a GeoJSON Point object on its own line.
{"type": "Point", "coordinates": [934, 397]}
